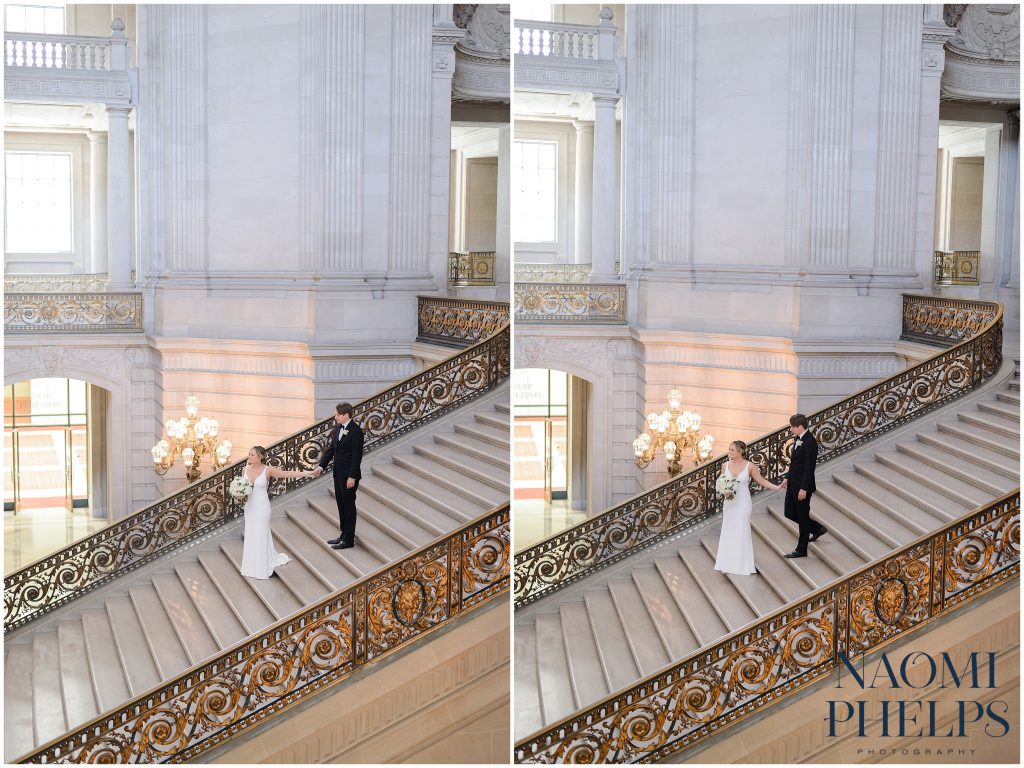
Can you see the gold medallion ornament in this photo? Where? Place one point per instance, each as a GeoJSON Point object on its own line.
{"type": "Point", "coordinates": [891, 600]}
{"type": "Point", "coordinates": [409, 602]}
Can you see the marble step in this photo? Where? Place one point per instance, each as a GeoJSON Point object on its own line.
{"type": "Point", "coordinates": [47, 705]}
{"type": "Point", "coordinates": [454, 505]}
{"type": "Point", "coordinates": [503, 408]}
{"type": "Point", "coordinates": [478, 450]}
{"type": "Point", "coordinates": [383, 487]}
{"type": "Point", "coordinates": [198, 641]}
{"type": "Point", "coordinates": [777, 571]}
{"type": "Point", "coordinates": [999, 425]}
{"type": "Point", "coordinates": [756, 591]}
{"type": "Point", "coordinates": [165, 646]}
{"type": "Point", "coordinates": [140, 669]}
{"type": "Point", "coordinates": [834, 502]}
{"type": "Point", "coordinates": [433, 521]}
{"type": "Point", "coordinates": [977, 435]}
{"type": "Point", "coordinates": [727, 601]}
{"type": "Point", "coordinates": [922, 486]}
{"type": "Point", "coordinates": [989, 481]}
{"type": "Point", "coordinates": [528, 713]}
{"type": "Point", "coordinates": [374, 547]}
{"type": "Point", "coordinates": [616, 657]}
{"type": "Point", "coordinates": [274, 593]}
{"type": "Point", "coordinates": [76, 689]}
{"type": "Point", "coordinates": [852, 534]}
{"type": "Point", "coordinates": [814, 571]}
{"type": "Point", "coordinates": [18, 730]}
{"type": "Point", "coordinates": [494, 419]}
{"type": "Point", "coordinates": [108, 679]}
{"type": "Point", "coordinates": [872, 488]}
{"type": "Point", "coordinates": [236, 592]}
{"type": "Point", "coordinates": [314, 556]}
{"type": "Point", "coordinates": [215, 610]}
{"type": "Point", "coordinates": [457, 460]}
{"type": "Point", "coordinates": [1012, 397]}
{"type": "Point", "coordinates": [963, 451]}
{"type": "Point", "coordinates": [485, 433]}
{"type": "Point", "coordinates": [648, 650]}
{"type": "Point", "coordinates": [671, 624]}
{"type": "Point", "coordinates": [556, 692]}
{"type": "Point", "coordinates": [1009, 411]}
{"type": "Point", "coordinates": [453, 480]}
{"type": "Point", "coordinates": [585, 670]}
{"type": "Point", "coordinates": [701, 616]}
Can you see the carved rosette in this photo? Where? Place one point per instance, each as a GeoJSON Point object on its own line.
{"type": "Point", "coordinates": [981, 549]}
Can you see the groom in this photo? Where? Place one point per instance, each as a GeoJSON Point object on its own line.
{"type": "Point", "coordinates": [347, 451]}
{"type": "Point", "coordinates": [799, 484]}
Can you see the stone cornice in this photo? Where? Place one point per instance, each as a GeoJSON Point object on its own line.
{"type": "Point", "coordinates": [547, 74]}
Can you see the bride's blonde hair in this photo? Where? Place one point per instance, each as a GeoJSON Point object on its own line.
{"type": "Point", "coordinates": [261, 452]}
{"type": "Point", "coordinates": [740, 446]}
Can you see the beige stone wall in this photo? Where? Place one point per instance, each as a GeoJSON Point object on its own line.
{"type": "Point", "coordinates": [446, 700]}
{"type": "Point", "coordinates": [796, 731]}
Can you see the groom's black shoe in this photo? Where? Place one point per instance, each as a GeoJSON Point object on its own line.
{"type": "Point", "coordinates": [817, 535]}
{"type": "Point", "coordinates": [345, 544]}
{"type": "Point", "coordinates": [338, 540]}
{"type": "Point", "coordinates": [794, 553]}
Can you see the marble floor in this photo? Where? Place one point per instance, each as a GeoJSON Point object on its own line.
{"type": "Point", "coordinates": [35, 533]}
{"type": "Point", "coordinates": [534, 520]}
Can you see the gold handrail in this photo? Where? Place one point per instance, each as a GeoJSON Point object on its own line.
{"type": "Point", "coordinates": [316, 647]}
{"type": "Point", "coordinates": [776, 655]}
{"type": "Point", "coordinates": [686, 501]}
{"type": "Point", "coordinates": [198, 509]}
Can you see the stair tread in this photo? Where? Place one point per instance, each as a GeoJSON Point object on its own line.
{"type": "Point", "coordinates": [555, 686]}
{"type": "Point", "coordinates": [910, 475]}
{"type": "Point", "coordinates": [18, 734]}
{"type": "Point", "coordinates": [974, 433]}
{"type": "Point", "coordinates": [140, 670]}
{"type": "Point", "coordinates": [488, 433]}
{"type": "Point", "coordinates": [812, 568]}
{"type": "Point", "coordinates": [479, 491]}
{"type": "Point", "coordinates": [992, 422]}
{"type": "Point", "coordinates": [416, 530]}
{"type": "Point", "coordinates": [864, 482]}
{"type": "Point", "coordinates": [528, 713]}
{"type": "Point", "coordinates": [616, 658]}
{"type": "Point", "coordinates": [852, 533]}
{"type": "Point", "coordinates": [76, 684]}
{"type": "Point", "coordinates": [317, 557]}
{"type": "Point", "coordinates": [437, 515]}
{"type": "Point", "coordinates": [109, 682]}
{"type": "Point", "coordinates": [829, 549]}
{"type": "Point", "coordinates": [429, 492]}
{"type": "Point", "coordinates": [786, 582]}
{"type": "Point", "coordinates": [485, 473]}
{"type": "Point", "coordinates": [199, 642]}
{"type": "Point", "coordinates": [989, 479]}
{"type": "Point", "coordinates": [886, 529]}
{"type": "Point", "coordinates": [648, 650]}
{"type": "Point", "coordinates": [305, 585]}
{"type": "Point", "coordinates": [1008, 411]}
{"type": "Point", "coordinates": [493, 419]}
{"type": "Point", "coordinates": [478, 449]}
{"type": "Point", "coordinates": [47, 706]}
{"type": "Point", "coordinates": [965, 450]}
{"type": "Point", "coordinates": [214, 609]}
{"type": "Point", "coordinates": [274, 592]}
{"type": "Point", "coordinates": [373, 548]}
{"type": "Point", "coordinates": [703, 619]}
{"type": "Point", "coordinates": [165, 644]}
{"type": "Point", "coordinates": [1009, 396]}
{"type": "Point", "coordinates": [252, 613]}
{"type": "Point", "coordinates": [666, 614]}
{"type": "Point", "coordinates": [585, 671]}
{"type": "Point", "coordinates": [757, 592]}
{"type": "Point", "coordinates": [721, 591]}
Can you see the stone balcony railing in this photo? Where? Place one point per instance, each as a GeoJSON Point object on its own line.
{"type": "Point", "coordinates": [566, 58]}
{"type": "Point", "coordinates": [68, 69]}
{"type": "Point", "coordinates": [956, 267]}
{"type": "Point", "coordinates": [78, 312]}
{"type": "Point", "coordinates": [576, 303]}
{"type": "Point", "coordinates": [569, 41]}
{"type": "Point", "coordinates": [38, 282]}
{"type": "Point", "coordinates": [553, 273]}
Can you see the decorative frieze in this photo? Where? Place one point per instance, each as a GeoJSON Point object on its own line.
{"type": "Point", "coordinates": [72, 313]}
{"type": "Point", "coordinates": [570, 303]}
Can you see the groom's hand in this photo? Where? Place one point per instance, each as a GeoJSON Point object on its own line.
{"type": "Point", "coordinates": [801, 495]}
{"type": "Point", "coordinates": [318, 471]}
{"type": "Point", "coordinates": [350, 484]}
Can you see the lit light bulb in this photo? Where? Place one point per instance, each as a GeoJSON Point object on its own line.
{"type": "Point", "coordinates": [675, 399]}
{"type": "Point", "coordinates": [670, 450]}
{"type": "Point", "coordinates": [192, 406]}
{"type": "Point", "coordinates": [214, 427]}
{"type": "Point", "coordinates": [652, 420]}
{"type": "Point", "coordinates": [638, 450]}
{"type": "Point", "coordinates": [188, 455]}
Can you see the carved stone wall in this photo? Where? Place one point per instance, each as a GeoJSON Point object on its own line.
{"type": "Point", "coordinates": [983, 58]}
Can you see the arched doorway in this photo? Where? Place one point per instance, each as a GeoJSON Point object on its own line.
{"type": "Point", "coordinates": [54, 466]}
{"type": "Point", "coordinates": [549, 452]}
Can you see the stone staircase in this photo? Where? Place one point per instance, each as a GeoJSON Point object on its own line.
{"type": "Point", "coordinates": [149, 626]}
{"type": "Point", "coordinates": [624, 623]}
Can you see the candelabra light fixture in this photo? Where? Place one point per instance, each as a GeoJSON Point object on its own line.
{"type": "Point", "coordinates": [674, 432]}
{"type": "Point", "coordinates": [191, 438]}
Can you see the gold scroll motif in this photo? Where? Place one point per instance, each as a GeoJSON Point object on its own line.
{"type": "Point", "coordinates": [570, 302]}
{"type": "Point", "coordinates": [944, 322]}
{"type": "Point", "coordinates": [72, 313]}
{"type": "Point", "coordinates": [687, 500]}
{"type": "Point", "coordinates": [752, 668]}
{"type": "Point", "coordinates": [459, 322]}
{"type": "Point", "coordinates": [201, 507]}
{"type": "Point", "coordinates": [475, 268]}
{"type": "Point", "coordinates": [956, 267]}
{"type": "Point", "coordinates": [296, 658]}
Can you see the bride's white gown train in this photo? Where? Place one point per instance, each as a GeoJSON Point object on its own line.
{"type": "Point", "coordinates": [259, 558]}
{"type": "Point", "coordinates": [735, 543]}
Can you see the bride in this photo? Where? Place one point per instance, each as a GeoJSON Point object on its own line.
{"type": "Point", "coordinates": [259, 558]}
{"type": "Point", "coordinates": [735, 544]}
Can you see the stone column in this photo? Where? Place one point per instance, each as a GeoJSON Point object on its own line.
{"type": "Point", "coordinates": [1009, 241]}
{"type": "Point", "coordinates": [503, 225]}
{"type": "Point", "coordinates": [119, 199]}
{"type": "Point", "coordinates": [605, 190]}
{"type": "Point", "coordinates": [584, 191]}
{"type": "Point", "coordinates": [991, 201]}
{"type": "Point", "coordinates": [98, 202]}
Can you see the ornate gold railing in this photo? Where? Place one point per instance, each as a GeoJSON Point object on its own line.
{"type": "Point", "coordinates": [469, 269]}
{"type": "Point", "coordinates": [199, 508]}
{"type": "Point", "coordinates": [72, 312]}
{"type": "Point", "coordinates": [793, 647]}
{"type": "Point", "coordinates": [956, 267]}
{"type": "Point", "coordinates": [570, 302]}
{"type": "Point", "coordinates": [553, 273]}
{"type": "Point", "coordinates": [315, 648]}
{"type": "Point", "coordinates": [944, 322]}
{"type": "Point", "coordinates": [686, 501]}
{"type": "Point", "coordinates": [459, 322]}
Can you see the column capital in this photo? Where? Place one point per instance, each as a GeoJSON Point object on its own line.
{"type": "Point", "coordinates": [583, 126]}
{"type": "Point", "coordinates": [605, 101]}
{"type": "Point", "coordinates": [97, 137]}
{"type": "Point", "coordinates": [119, 109]}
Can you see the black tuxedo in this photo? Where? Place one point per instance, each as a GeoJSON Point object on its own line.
{"type": "Point", "coordinates": [347, 452]}
{"type": "Point", "coordinates": [801, 478]}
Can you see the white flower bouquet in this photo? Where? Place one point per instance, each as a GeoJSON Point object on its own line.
{"type": "Point", "coordinates": [240, 488]}
{"type": "Point", "coordinates": [726, 485]}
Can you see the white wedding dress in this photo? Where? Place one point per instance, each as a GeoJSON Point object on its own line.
{"type": "Point", "coordinates": [735, 544]}
{"type": "Point", "coordinates": [259, 558]}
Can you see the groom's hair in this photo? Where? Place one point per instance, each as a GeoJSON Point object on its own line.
{"type": "Point", "coordinates": [345, 409]}
{"type": "Point", "coordinates": [798, 420]}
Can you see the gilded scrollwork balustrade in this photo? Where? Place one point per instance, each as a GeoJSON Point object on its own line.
{"type": "Point", "coordinates": [570, 302]}
{"type": "Point", "coordinates": [686, 501]}
{"type": "Point", "coordinates": [475, 268]}
{"type": "Point", "coordinates": [459, 322]}
{"type": "Point", "coordinates": [299, 656]}
{"type": "Point", "coordinates": [198, 509]}
{"type": "Point", "coordinates": [956, 267]}
{"type": "Point", "coordinates": [944, 322]}
{"type": "Point", "coordinates": [72, 312]}
{"type": "Point", "coordinates": [793, 647]}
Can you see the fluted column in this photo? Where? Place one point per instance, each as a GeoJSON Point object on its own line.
{"type": "Point", "coordinates": [1010, 207]}
{"type": "Point", "coordinates": [502, 227]}
{"type": "Point", "coordinates": [119, 199]}
{"type": "Point", "coordinates": [584, 191]}
{"type": "Point", "coordinates": [605, 189]}
{"type": "Point", "coordinates": [98, 202]}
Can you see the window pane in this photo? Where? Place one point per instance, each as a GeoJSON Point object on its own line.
{"type": "Point", "coordinates": [37, 18]}
{"type": "Point", "coordinates": [38, 214]}
{"type": "Point", "coordinates": [535, 170]}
